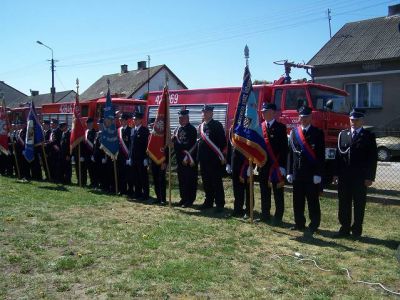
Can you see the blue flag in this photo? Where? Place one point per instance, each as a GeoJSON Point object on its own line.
{"type": "Point", "coordinates": [109, 135]}
{"type": "Point", "coordinates": [247, 133]}
{"type": "Point", "coordinates": [34, 134]}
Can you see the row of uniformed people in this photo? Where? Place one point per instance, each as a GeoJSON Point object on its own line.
{"type": "Point", "coordinates": [301, 163]}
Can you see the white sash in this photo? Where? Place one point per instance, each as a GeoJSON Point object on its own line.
{"type": "Point", "coordinates": [211, 144]}
{"type": "Point", "coordinates": [125, 149]}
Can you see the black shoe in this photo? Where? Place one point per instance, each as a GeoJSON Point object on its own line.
{"type": "Point", "coordinates": [298, 228]}
{"type": "Point", "coordinates": [205, 206]}
{"type": "Point", "coordinates": [341, 235]}
{"type": "Point", "coordinates": [356, 236]}
{"type": "Point", "coordinates": [180, 203]}
{"type": "Point", "coordinates": [156, 201]}
{"type": "Point", "coordinates": [186, 205]}
{"type": "Point", "coordinates": [266, 218]}
{"type": "Point", "coordinates": [277, 222]}
{"type": "Point", "coordinates": [246, 216]}
{"type": "Point", "coordinates": [237, 214]}
{"type": "Point", "coordinates": [311, 230]}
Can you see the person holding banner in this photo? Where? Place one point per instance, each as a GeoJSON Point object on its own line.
{"type": "Point", "coordinates": [272, 174]}
{"type": "Point", "coordinates": [138, 159]}
{"type": "Point", "coordinates": [212, 161]}
{"type": "Point", "coordinates": [20, 147]}
{"type": "Point", "coordinates": [65, 164]}
{"type": "Point", "coordinates": [238, 165]}
{"type": "Point", "coordinates": [88, 151]}
{"type": "Point", "coordinates": [55, 151]}
{"type": "Point", "coordinates": [184, 139]}
{"type": "Point", "coordinates": [306, 163]}
{"type": "Point", "coordinates": [124, 138]}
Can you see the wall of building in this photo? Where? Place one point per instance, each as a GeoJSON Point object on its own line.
{"type": "Point", "coordinates": [387, 117]}
{"type": "Point", "coordinates": [157, 83]}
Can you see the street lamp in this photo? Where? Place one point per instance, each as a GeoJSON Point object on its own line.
{"type": "Point", "coordinates": [53, 89]}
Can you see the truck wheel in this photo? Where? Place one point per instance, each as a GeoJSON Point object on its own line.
{"type": "Point", "coordinates": [383, 154]}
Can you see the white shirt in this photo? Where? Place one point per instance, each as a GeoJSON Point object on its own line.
{"type": "Point", "coordinates": [270, 122]}
{"type": "Point", "coordinates": [305, 128]}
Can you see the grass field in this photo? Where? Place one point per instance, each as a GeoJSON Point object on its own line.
{"type": "Point", "coordinates": [68, 242]}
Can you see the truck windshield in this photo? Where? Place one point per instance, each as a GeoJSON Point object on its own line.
{"type": "Point", "coordinates": [327, 100]}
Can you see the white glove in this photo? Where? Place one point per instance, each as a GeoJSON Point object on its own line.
{"type": "Point", "coordinates": [316, 179]}
{"type": "Point", "coordinates": [228, 169]}
{"type": "Point", "coordinates": [289, 178]}
{"type": "Point", "coordinates": [103, 160]}
{"type": "Point", "coordinates": [283, 171]}
{"type": "Point", "coordinates": [145, 162]}
{"type": "Point", "coordinates": [128, 162]}
{"type": "Point", "coordinates": [92, 159]}
{"type": "Point", "coordinates": [255, 170]}
{"type": "Point", "coordinates": [72, 159]}
{"type": "Point", "coordinates": [82, 159]}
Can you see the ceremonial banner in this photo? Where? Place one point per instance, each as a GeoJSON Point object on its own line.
{"type": "Point", "coordinates": [247, 134]}
{"type": "Point", "coordinates": [109, 135]}
{"type": "Point", "coordinates": [78, 130]}
{"type": "Point", "coordinates": [3, 129]}
{"type": "Point", "coordinates": [161, 131]}
{"type": "Point", "coordinates": [34, 134]}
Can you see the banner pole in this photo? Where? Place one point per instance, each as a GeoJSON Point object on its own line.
{"type": "Point", "coordinates": [79, 165]}
{"type": "Point", "coordinates": [46, 164]}
{"type": "Point", "coordinates": [115, 176]}
{"type": "Point", "coordinates": [251, 190]}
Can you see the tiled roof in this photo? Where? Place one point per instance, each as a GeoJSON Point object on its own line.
{"type": "Point", "coordinates": [362, 41]}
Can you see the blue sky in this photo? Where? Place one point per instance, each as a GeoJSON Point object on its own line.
{"type": "Point", "coordinates": [200, 41]}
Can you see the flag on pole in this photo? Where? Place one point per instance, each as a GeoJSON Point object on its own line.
{"type": "Point", "coordinates": [34, 134]}
{"type": "Point", "coordinates": [78, 130]}
{"type": "Point", "coordinates": [160, 135]}
{"type": "Point", "coordinates": [109, 135]}
{"type": "Point", "coordinates": [247, 133]}
{"type": "Point", "coordinates": [3, 129]}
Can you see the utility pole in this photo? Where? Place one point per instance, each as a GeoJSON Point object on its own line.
{"type": "Point", "coordinates": [329, 21]}
{"type": "Point", "coordinates": [53, 89]}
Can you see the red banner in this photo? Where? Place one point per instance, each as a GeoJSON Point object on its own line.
{"type": "Point", "coordinates": [161, 131]}
{"type": "Point", "coordinates": [78, 130]}
{"type": "Point", "coordinates": [3, 129]}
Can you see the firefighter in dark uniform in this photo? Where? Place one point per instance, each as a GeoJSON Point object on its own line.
{"type": "Point", "coordinates": [98, 158]}
{"type": "Point", "coordinates": [66, 167]}
{"type": "Point", "coordinates": [11, 159]}
{"type": "Point", "coordinates": [124, 137]}
{"type": "Point", "coordinates": [237, 165]}
{"type": "Point", "coordinates": [212, 162]}
{"type": "Point", "coordinates": [184, 139]}
{"type": "Point", "coordinates": [47, 134]}
{"type": "Point", "coordinates": [138, 160]}
{"type": "Point", "coordinates": [88, 151]}
{"type": "Point", "coordinates": [159, 172]}
{"type": "Point", "coordinates": [305, 166]}
{"type": "Point", "coordinates": [80, 160]}
{"type": "Point", "coordinates": [55, 151]}
{"type": "Point", "coordinates": [20, 147]}
{"type": "Point", "coordinates": [356, 162]}
{"type": "Point", "coordinates": [272, 174]}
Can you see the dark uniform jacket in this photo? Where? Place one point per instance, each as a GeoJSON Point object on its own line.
{"type": "Point", "coordinates": [300, 166]}
{"type": "Point", "coordinates": [187, 136]}
{"type": "Point", "coordinates": [86, 150]}
{"type": "Point", "coordinates": [138, 145]}
{"type": "Point", "coordinates": [55, 140]}
{"type": "Point", "coordinates": [215, 131]}
{"type": "Point", "coordinates": [360, 160]}
{"type": "Point", "coordinates": [278, 139]}
{"type": "Point", "coordinates": [64, 144]}
{"type": "Point", "coordinates": [126, 136]}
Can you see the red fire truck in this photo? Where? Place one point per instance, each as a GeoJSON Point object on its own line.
{"type": "Point", "coordinates": [330, 109]}
{"type": "Point", "coordinates": [92, 108]}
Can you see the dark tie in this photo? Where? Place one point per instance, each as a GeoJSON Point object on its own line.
{"type": "Point", "coordinates": [354, 134]}
{"type": "Point", "coordinates": [304, 131]}
{"type": "Point", "coordinates": [269, 126]}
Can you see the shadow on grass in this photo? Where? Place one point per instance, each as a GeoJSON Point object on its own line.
{"type": "Point", "coordinates": [207, 213]}
{"type": "Point", "coordinates": [60, 188]}
{"type": "Point", "coordinates": [313, 240]}
{"type": "Point", "coordinates": [391, 244]}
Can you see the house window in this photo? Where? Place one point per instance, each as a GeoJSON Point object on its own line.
{"type": "Point", "coordinates": [366, 94]}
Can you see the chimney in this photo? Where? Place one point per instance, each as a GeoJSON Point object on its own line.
{"type": "Point", "coordinates": [141, 65]}
{"type": "Point", "coordinates": [34, 93]}
{"type": "Point", "coordinates": [124, 69]}
{"type": "Point", "coordinates": [394, 10]}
